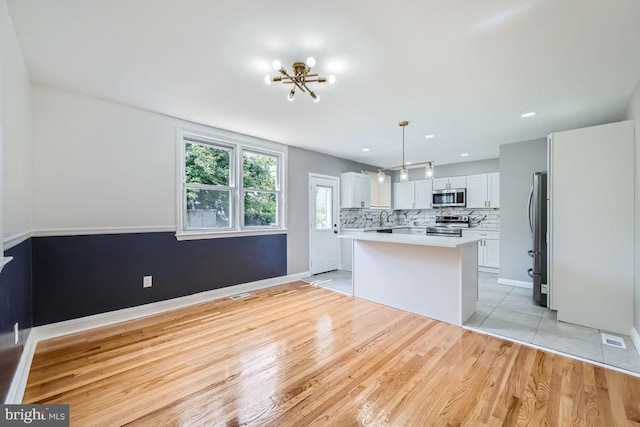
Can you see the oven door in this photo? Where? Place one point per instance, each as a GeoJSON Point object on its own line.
{"type": "Point", "coordinates": [446, 198]}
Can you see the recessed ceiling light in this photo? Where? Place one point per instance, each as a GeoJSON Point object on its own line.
{"type": "Point", "coordinates": [464, 155]}
{"type": "Point", "coordinates": [429, 136]}
{"type": "Point", "coordinates": [366, 149]}
{"type": "Point", "coordinates": [529, 114]}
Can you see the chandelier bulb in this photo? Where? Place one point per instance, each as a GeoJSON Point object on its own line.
{"type": "Point", "coordinates": [315, 97]}
{"type": "Point", "coordinates": [276, 65]}
{"type": "Point", "coordinates": [311, 61]}
{"type": "Point", "coordinates": [291, 95]}
{"type": "Point", "coordinates": [267, 79]}
{"type": "Point", "coordinates": [332, 79]}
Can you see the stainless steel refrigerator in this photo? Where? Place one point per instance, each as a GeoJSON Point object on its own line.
{"type": "Point", "coordinates": [538, 228]}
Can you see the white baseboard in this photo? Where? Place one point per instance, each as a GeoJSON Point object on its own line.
{"type": "Point", "coordinates": [19, 382]}
{"type": "Point", "coordinates": [516, 283]}
{"type": "Point", "coordinates": [489, 269]}
{"type": "Point", "coordinates": [54, 330]}
{"type": "Point", "coordinates": [635, 337]}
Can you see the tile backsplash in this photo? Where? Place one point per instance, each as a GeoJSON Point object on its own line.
{"type": "Point", "coordinates": [367, 218]}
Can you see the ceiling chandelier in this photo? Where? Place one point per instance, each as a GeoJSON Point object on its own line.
{"type": "Point", "coordinates": [404, 173]}
{"type": "Point", "coordinates": [299, 78]}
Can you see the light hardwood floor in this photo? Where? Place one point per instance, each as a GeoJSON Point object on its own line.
{"type": "Point", "coordinates": [296, 355]}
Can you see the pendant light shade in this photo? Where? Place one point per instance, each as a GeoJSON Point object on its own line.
{"type": "Point", "coordinates": [428, 170]}
{"type": "Point", "coordinates": [404, 175]}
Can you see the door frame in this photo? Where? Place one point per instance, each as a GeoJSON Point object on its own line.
{"type": "Point", "coordinates": [311, 216]}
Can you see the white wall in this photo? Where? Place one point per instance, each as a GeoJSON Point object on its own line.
{"type": "Point", "coordinates": [518, 162]}
{"type": "Point", "coordinates": [98, 164]}
{"type": "Point", "coordinates": [16, 132]}
{"type": "Point", "coordinates": [102, 165]}
{"type": "Point", "coordinates": [633, 113]}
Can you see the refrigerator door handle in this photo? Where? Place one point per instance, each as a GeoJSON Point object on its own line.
{"type": "Point", "coordinates": [530, 272]}
{"type": "Point", "coordinates": [529, 210]}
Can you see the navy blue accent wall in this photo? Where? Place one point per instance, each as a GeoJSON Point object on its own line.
{"type": "Point", "coordinates": [15, 306]}
{"type": "Point", "coordinates": [77, 276]}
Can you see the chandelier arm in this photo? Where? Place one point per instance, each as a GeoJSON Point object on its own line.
{"type": "Point", "coordinates": [283, 71]}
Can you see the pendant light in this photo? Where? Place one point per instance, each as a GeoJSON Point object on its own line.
{"type": "Point", "coordinates": [428, 170]}
{"type": "Point", "coordinates": [404, 173]}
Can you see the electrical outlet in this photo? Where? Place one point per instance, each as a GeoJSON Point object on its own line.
{"type": "Point", "coordinates": [16, 334]}
{"type": "Point", "coordinates": [147, 281]}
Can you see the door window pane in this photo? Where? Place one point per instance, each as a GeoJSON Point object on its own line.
{"type": "Point", "coordinates": [260, 208]}
{"type": "Point", "coordinates": [207, 209]}
{"type": "Point", "coordinates": [324, 207]}
{"type": "Point", "coordinates": [207, 164]}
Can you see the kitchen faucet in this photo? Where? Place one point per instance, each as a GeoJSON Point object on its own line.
{"type": "Point", "coordinates": [386, 214]}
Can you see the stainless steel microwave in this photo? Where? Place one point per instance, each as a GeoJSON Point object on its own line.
{"type": "Point", "coordinates": [448, 198]}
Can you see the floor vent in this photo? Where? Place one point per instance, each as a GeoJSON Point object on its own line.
{"type": "Point", "coordinates": [240, 296]}
{"type": "Point", "coordinates": [613, 340]}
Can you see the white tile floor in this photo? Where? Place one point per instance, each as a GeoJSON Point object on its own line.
{"type": "Point", "coordinates": [510, 312]}
{"type": "Point", "coordinates": [337, 280]}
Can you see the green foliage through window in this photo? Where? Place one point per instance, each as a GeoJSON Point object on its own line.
{"type": "Point", "coordinates": [210, 190]}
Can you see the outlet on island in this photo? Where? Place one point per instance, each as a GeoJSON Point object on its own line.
{"type": "Point", "coordinates": [147, 281]}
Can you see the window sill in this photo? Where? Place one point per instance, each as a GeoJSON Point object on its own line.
{"type": "Point", "coordinates": [199, 235]}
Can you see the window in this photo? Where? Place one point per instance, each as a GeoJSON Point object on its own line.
{"type": "Point", "coordinates": [380, 192]}
{"type": "Point", "coordinates": [324, 207]}
{"type": "Point", "coordinates": [228, 187]}
{"type": "Point", "coordinates": [260, 189]}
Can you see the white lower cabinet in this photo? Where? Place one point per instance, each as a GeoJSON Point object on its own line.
{"type": "Point", "coordinates": [488, 248]}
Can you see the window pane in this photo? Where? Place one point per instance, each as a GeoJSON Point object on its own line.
{"type": "Point", "coordinates": [259, 171]}
{"type": "Point", "coordinates": [324, 208]}
{"type": "Point", "coordinates": [260, 208]}
{"type": "Point", "coordinates": [207, 209]}
{"type": "Point", "coordinates": [207, 164]}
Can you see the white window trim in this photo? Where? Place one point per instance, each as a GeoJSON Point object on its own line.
{"type": "Point", "coordinates": [239, 143]}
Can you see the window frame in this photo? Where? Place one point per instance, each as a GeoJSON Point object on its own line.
{"type": "Point", "coordinates": [238, 144]}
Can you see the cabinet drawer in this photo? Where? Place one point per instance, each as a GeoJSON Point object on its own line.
{"type": "Point", "coordinates": [482, 234]}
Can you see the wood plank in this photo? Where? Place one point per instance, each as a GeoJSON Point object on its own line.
{"type": "Point", "coordinates": [296, 355]}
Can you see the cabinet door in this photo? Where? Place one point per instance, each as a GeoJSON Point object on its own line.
{"type": "Point", "coordinates": [346, 191]}
{"type": "Point", "coordinates": [492, 253]}
{"type": "Point", "coordinates": [477, 191]}
{"type": "Point", "coordinates": [423, 193]}
{"type": "Point", "coordinates": [440, 183]}
{"type": "Point", "coordinates": [458, 182]}
{"type": "Point", "coordinates": [403, 195]}
{"type": "Point", "coordinates": [493, 192]}
{"type": "Point", "coordinates": [365, 191]}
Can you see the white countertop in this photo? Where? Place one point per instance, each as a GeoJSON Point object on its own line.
{"type": "Point", "coordinates": [410, 239]}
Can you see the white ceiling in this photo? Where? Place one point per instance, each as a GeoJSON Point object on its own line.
{"type": "Point", "coordinates": [463, 70]}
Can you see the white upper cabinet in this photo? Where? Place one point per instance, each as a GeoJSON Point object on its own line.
{"type": "Point", "coordinates": [450, 183]}
{"type": "Point", "coordinates": [355, 190]}
{"type": "Point", "coordinates": [483, 191]}
{"type": "Point", "coordinates": [404, 195]}
{"type": "Point", "coordinates": [423, 194]}
{"type": "Point", "coordinates": [412, 194]}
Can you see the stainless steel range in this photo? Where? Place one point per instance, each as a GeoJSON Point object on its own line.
{"type": "Point", "coordinates": [449, 225]}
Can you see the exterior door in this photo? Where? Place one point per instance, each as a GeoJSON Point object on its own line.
{"type": "Point", "coordinates": [323, 223]}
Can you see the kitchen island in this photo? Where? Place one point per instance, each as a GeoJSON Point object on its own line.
{"type": "Point", "coordinates": [432, 276]}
